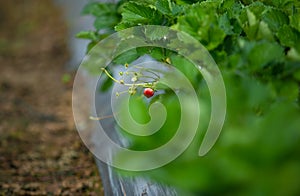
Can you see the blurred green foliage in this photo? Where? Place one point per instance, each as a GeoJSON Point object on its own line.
{"type": "Point", "coordinates": [257, 47]}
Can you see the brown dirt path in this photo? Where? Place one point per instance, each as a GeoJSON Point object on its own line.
{"type": "Point", "coordinates": [40, 150]}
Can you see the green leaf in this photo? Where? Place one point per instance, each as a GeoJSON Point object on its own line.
{"type": "Point", "coordinates": [182, 2]}
{"type": "Point", "coordinates": [126, 57]}
{"type": "Point", "coordinates": [232, 7]}
{"type": "Point", "coordinates": [154, 33]}
{"type": "Point", "coordinates": [144, 50]}
{"type": "Point", "coordinates": [215, 37]}
{"type": "Point", "coordinates": [90, 8]}
{"type": "Point", "coordinates": [99, 9]}
{"type": "Point", "coordinates": [154, 52]}
{"type": "Point", "coordinates": [275, 19]}
{"type": "Point", "coordinates": [289, 90]}
{"type": "Point", "coordinates": [264, 32]}
{"type": "Point", "coordinates": [106, 21]}
{"type": "Point", "coordinates": [235, 60]}
{"type": "Point", "coordinates": [136, 14]}
{"type": "Point", "coordinates": [258, 9]}
{"type": "Point", "coordinates": [157, 53]}
{"type": "Point", "coordinates": [263, 53]}
{"type": "Point", "coordinates": [295, 21]}
{"type": "Point", "coordinates": [168, 7]}
{"type": "Point", "coordinates": [221, 57]}
{"type": "Point", "coordinates": [123, 25]}
{"type": "Point", "coordinates": [288, 6]}
{"type": "Point", "coordinates": [91, 35]}
{"type": "Point", "coordinates": [224, 24]}
{"type": "Point", "coordinates": [293, 54]}
{"type": "Point", "coordinates": [251, 18]}
{"type": "Point", "coordinates": [176, 9]}
{"type": "Point", "coordinates": [186, 67]}
{"type": "Point", "coordinates": [249, 23]}
{"type": "Point", "coordinates": [201, 22]}
{"type": "Point", "coordinates": [289, 37]}
{"type": "Point", "coordinates": [296, 75]}
{"type": "Point", "coordinates": [164, 6]}
{"type": "Point", "coordinates": [105, 13]}
{"type": "Point", "coordinates": [91, 45]}
{"type": "Point", "coordinates": [252, 24]}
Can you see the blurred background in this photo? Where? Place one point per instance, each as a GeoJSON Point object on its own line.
{"type": "Point", "coordinates": [40, 150]}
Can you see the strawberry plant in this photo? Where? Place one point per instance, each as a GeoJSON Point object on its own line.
{"type": "Point", "coordinates": [256, 45]}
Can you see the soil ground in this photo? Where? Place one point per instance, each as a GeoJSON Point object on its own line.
{"type": "Point", "coordinates": [40, 150]}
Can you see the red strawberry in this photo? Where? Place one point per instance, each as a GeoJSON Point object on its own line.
{"type": "Point", "coordinates": [148, 92]}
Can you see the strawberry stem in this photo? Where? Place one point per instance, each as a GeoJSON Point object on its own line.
{"type": "Point", "coordinates": [122, 81]}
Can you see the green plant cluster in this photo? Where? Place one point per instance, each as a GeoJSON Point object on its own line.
{"type": "Point", "coordinates": [256, 45]}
